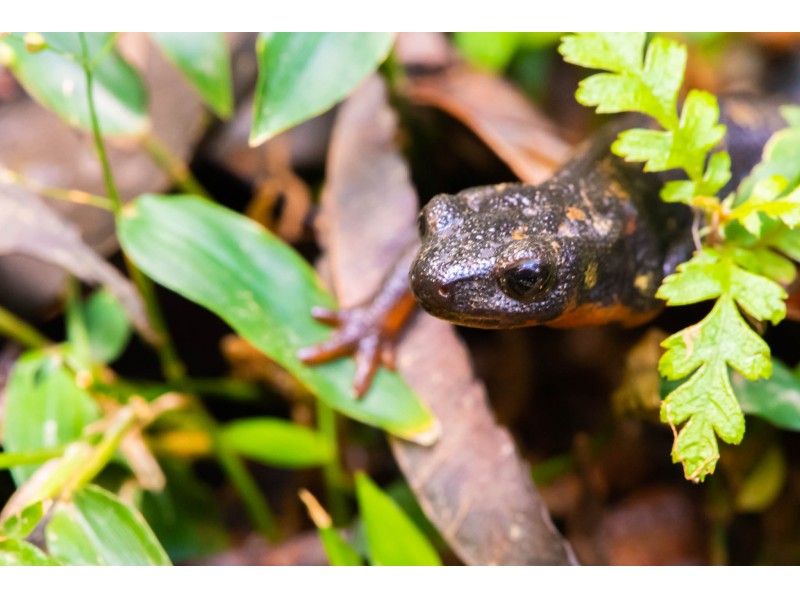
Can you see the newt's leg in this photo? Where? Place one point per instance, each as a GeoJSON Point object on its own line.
{"type": "Point", "coordinates": [368, 331]}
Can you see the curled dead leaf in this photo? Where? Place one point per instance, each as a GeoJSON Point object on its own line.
{"type": "Point", "coordinates": [472, 483]}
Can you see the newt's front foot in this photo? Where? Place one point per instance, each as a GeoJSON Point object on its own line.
{"type": "Point", "coordinates": [367, 332]}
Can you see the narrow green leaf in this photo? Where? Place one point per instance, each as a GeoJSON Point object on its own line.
{"type": "Point", "coordinates": [44, 408]}
{"type": "Point", "coordinates": [277, 442]}
{"type": "Point", "coordinates": [775, 399]}
{"type": "Point", "coordinates": [55, 78]}
{"type": "Point", "coordinates": [204, 60]}
{"type": "Point", "coordinates": [16, 553]}
{"type": "Point", "coordinates": [302, 75]}
{"type": "Point", "coordinates": [265, 291]}
{"type": "Point", "coordinates": [107, 326]}
{"type": "Point", "coordinates": [96, 528]}
{"type": "Point", "coordinates": [339, 552]}
{"type": "Point", "coordinates": [392, 539]}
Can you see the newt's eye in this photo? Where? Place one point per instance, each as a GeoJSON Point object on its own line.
{"type": "Point", "coordinates": [527, 280]}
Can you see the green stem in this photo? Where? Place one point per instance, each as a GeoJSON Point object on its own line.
{"type": "Point", "coordinates": [171, 364]}
{"type": "Point", "coordinates": [332, 473]}
{"type": "Point", "coordinates": [174, 166]}
{"type": "Point", "coordinates": [20, 331]}
{"type": "Point", "coordinates": [234, 467]}
{"type": "Point", "coordinates": [8, 460]}
{"type": "Point", "coordinates": [232, 388]}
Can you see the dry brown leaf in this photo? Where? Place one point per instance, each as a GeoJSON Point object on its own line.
{"type": "Point", "coordinates": [31, 228]}
{"type": "Point", "coordinates": [499, 114]}
{"type": "Point", "coordinates": [472, 484]}
{"type": "Point", "coordinates": [37, 144]}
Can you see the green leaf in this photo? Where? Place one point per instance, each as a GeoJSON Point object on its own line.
{"type": "Point", "coordinates": [619, 52]}
{"type": "Point", "coordinates": [185, 516]}
{"type": "Point", "coordinates": [204, 60]}
{"type": "Point", "coordinates": [277, 442]}
{"type": "Point", "coordinates": [492, 50]}
{"type": "Point", "coordinates": [711, 273]}
{"type": "Point", "coordinates": [44, 407]}
{"type": "Point", "coordinates": [716, 176]}
{"type": "Point", "coordinates": [781, 157]}
{"type": "Point", "coordinates": [107, 326]}
{"type": "Point", "coordinates": [302, 75]}
{"type": "Point", "coordinates": [15, 553]}
{"type": "Point", "coordinates": [265, 291]}
{"type": "Point", "coordinates": [632, 85]}
{"type": "Point", "coordinates": [392, 539]}
{"type": "Point", "coordinates": [96, 528]}
{"type": "Point", "coordinates": [765, 262]}
{"type": "Point", "coordinates": [339, 552]}
{"type": "Point", "coordinates": [55, 78]}
{"type": "Point", "coordinates": [21, 525]}
{"type": "Point", "coordinates": [776, 399]}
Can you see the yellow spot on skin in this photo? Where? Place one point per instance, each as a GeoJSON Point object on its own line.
{"type": "Point", "coordinates": [574, 213]}
{"type": "Point", "coordinates": [590, 278]}
{"type": "Point", "coordinates": [518, 234]}
{"type": "Point", "coordinates": [642, 282]}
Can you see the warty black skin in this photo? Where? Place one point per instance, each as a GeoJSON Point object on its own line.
{"type": "Point", "coordinates": [595, 240]}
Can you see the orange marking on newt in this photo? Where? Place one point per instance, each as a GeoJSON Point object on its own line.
{"type": "Point", "coordinates": [595, 314]}
{"type": "Point", "coordinates": [574, 213]}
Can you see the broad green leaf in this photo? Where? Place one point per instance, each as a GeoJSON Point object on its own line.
{"type": "Point", "coordinates": [265, 291]}
{"type": "Point", "coordinates": [55, 78]}
{"type": "Point", "coordinates": [44, 407]}
{"type": "Point", "coordinates": [392, 539]}
{"type": "Point", "coordinates": [763, 484]}
{"type": "Point", "coordinates": [765, 262]}
{"type": "Point", "coordinates": [302, 75]}
{"type": "Point", "coordinates": [16, 553]}
{"type": "Point", "coordinates": [20, 525]}
{"type": "Point", "coordinates": [185, 516]}
{"type": "Point", "coordinates": [491, 50]}
{"type": "Point", "coordinates": [204, 60]}
{"type": "Point", "coordinates": [277, 442]}
{"type": "Point", "coordinates": [775, 399]}
{"type": "Point", "coordinates": [96, 528]}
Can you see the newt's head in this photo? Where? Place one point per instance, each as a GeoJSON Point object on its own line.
{"type": "Point", "coordinates": [501, 257]}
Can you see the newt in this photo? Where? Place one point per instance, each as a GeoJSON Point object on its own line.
{"type": "Point", "coordinates": [589, 246]}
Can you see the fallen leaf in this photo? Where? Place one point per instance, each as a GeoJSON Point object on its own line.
{"type": "Point", "coordinates": [32, 229]}
{"type": "Point", "coordinates": [499, 114]}
{"type": "Point", "coordinates": [472, 484]}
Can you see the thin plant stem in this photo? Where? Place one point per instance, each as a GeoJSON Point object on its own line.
{"type": "Point", "coordinates": [14, 328]}
{"type": "Point", "coordinates": [235, 469]}
{"type": "Point", "coordinates": [332, 472]}
{"type": "Point", "coordinates": [70, 195]}
{"type": "Point", "coordinates": [171, 364]}
{"type": "Point", "coordinates": [174, 166]}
